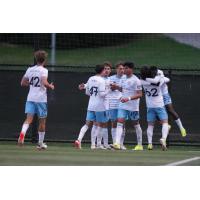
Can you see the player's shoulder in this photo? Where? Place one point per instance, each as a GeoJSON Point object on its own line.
{"type": "Point", "coordinates": [135, 78]}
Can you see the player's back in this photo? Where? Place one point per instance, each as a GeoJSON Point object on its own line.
{"type": "Point", "coordinates": [95, 86]}
{"type": "Point", "coordinates": [153, 95]}
{"type": "Point", "coordinates": [37, 91]}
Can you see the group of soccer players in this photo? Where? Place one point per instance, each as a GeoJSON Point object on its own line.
{"type": "Point", "coordinates": [116, 98]}
{"type": "Point", "coordinates": [113, 98]}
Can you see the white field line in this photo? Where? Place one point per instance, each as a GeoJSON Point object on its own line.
{"type": "Point", "coordinates": [183, 161]}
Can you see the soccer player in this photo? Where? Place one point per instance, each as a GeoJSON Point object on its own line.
{"type": "Point", "coordinates": [129, 105]}
{"type": "Point", "coordinates": [36, 78]}
{"type": "Point", "coordinates": [96, 89]}
{"type": "Point", "coordinates": [167, 98]}
{"type": "Point", "coordinates": [155, 107]}
{"type": "Point", "coordinates": [114, 100]}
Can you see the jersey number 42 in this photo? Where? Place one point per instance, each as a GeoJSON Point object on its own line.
{"type": "Point", "coordinates": [35, 81]}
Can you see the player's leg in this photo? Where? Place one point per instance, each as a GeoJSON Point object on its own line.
{"type": "Point", "coordinates": [94, 132]}
{"type": "Point", "coordinates": [122, 139]}
{"type": "Point", "coordinates": [30, 111]}
{"type": "Point", "coordinates": [42, 115]}
{"type": "Point", "coordinates": [173, 113]}
{"type": "Point", "coordinates": [83, 130]}
{"type": "Point", "coordinates": [102, 131]}
{"type": "Point", "coordinates": [134, 116]}
{"type": "Point", "coordinates": [113, 118]}
{"type": "Point", "coordinates": [151, 118]}
{"type": "Point", "coordinates": [121, 116]}
{"type": "Point", "coordinates": [162, 114]}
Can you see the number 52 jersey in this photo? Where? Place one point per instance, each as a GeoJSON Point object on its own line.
{"type": "Point", "coordinates": [96, 87]}
{"type": "Point", "coordinates": [37, 91]}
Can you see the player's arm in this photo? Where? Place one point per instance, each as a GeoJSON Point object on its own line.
{"type": "Point", "coordinates": [143, 82]}
{"type": "Point", "coordinates": [87, 90]}
{"type": "Point", "coordinates": [136, 96]}
{"type": "Point", "coordinates": [103, 90]}
{"type": "Point", "coordinates": [155, 80]}
{"type": "Point", "coordinates": [24, 82]}
{"type": "Point", "coordinates": [114, 86]}
{"type": "Point", "coordinates": [82, 86]}
{"type": "Point", "coordinates": [47, 84]}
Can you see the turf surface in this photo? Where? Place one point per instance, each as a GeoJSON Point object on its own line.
{"type": "Point", "coordinates": [65, 154]}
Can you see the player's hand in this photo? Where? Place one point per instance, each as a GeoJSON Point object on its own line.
{"type": "Point", "coordinates": [124, 100]}
{"type": "Point", "coordinates": [113, 86]}
{"type": "Point", "coordinates": [81, 86]}
{"type": "Point", "coordinates": [51, 86]}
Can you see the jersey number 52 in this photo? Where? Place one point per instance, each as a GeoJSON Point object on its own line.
{"type": "Point", "coordinates": [153, 92]}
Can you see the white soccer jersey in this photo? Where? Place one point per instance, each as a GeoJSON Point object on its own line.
{"type": "Point", "coordinates": [114, 96]}
{"type": "Point", "coordinates": [96, 89]}
{"type": "Point", "coordinates": [164, 87]}
{"type": "Point", "coordinates": [129, 88]}
{"type": "Point", "coordinates": [106, 100]}
{"type": "Point", "coordinates": [153, 94]}
{"type": "Point", "coordinates": [37, 91]}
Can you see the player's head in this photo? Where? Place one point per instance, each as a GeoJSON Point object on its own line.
{"type": "Point", "coordinates": [129, 68]}
{"type": "Point", "coordinates": [99, 69]}
{"type": "Point", "coordinates": [108, 68]}
{"type": "Point", "coordinates": [40, 57]}
{"type": "Point", "coordinates": [120, 68]}
{"type": "Point", "coordinates": [145, 72]}
{"type": "Point", "coordinates": [154, 71]}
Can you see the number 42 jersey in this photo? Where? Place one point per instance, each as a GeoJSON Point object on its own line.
{"type": "Point", "coordinates": [37, 91]}
{"type": "Point", "coordinates": [96, 89]}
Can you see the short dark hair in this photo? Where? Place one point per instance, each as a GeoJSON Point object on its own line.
{"type": "Point", "coordinates": [40, 56]}
{"type": "Point", "coordinates": [99, 69]}
{"type": "Point", "coordinates": [154, 71]}
{"type": "Point", "coordinates": [119, 63]}
{"type": "Point", "coordinates": [145, 72]}
{"type": "Point", "coordinates": [130, 65]}
{"type": "Point", "coordinates": [107, 63]}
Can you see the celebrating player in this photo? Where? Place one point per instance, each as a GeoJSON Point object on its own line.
{"type": "Point", "coordinates": [129, 106]}
{"type": "Point", "coordinates": [155, 107]}
{"type": "Point", "coordinates": [158, 74]}
{"type": "Point", "coordinates": [36, 78]}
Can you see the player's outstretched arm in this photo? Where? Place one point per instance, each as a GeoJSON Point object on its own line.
{"type": "Point", "coordinates": [155, 80]}
{"type": "Point", "coordinates": [24, 82]}
{"type": "Point", "coordinates": [136, 96]}
{"type": "Point", "coordinates": [47, 84]}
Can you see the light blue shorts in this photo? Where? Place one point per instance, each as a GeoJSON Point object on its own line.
{"type": "Point", "coordinates": [154, 114]}
{"type": "Point", "coordinates": [167, 99]}
{"type": "Point", "coordinates": [36, 108]}
{"type": "Point", "coordinates": [126, 114]}
{"type": "Point", "coordinates": [97, 116]}
{"type": "Point", "coordinates": [112, 114]}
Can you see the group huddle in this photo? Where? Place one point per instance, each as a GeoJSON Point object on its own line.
{"type": "Point", "coordinates": [112, 98]}
{"type": "Point", "coordinates": [116, 99]}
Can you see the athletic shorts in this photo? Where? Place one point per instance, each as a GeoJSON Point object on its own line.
{"type": "Point", "coordinates": [36, 108]}
{"type": "Point", "coordinates": [154, 114]}
{"type": "Point", "coordinates": [167, 99]}
{"type": "Point", "coordinates": [112, 114]}
{"type": "Point", "coordinates": [97, 116]}
{"type": "Point", "coordinates": [126, 114]}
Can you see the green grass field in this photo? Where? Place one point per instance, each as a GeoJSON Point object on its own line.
{"type": "Point", "coordinates": [158, 50]}
{"type": "Point", "coordinates": [64, 154]}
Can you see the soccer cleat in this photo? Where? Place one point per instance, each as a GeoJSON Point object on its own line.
{"type": "Point", "coordinates": [163, 144]}
{"type": "Point", "coordinates": [138, 148]}
{"type": "Point", "coordinates": [93, 147]}
{"type": "Point", "coordinates": [183, 132]}
{"type": "Point", "coordinates": [77, 144]}
{"type": "Point", "coordinates": [107, 147]}
{"type": "Point", "coordinates": [116, 146]}
{"type": "Point", "coordinates": [123, 147]}
{"type": "Point", "coordinates": [150, 147]}
{"type": "Point", "coordinates": [41, 146]}
{"type": "Point", "coordinates": [101, 147]}
{"type": "Point", "coordinates": [21, 139]}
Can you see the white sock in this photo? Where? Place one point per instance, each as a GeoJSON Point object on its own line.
{"type": "Point", "coordinates": [139, 134]}
{"type": "Point", "coordinates": [105, 136]}
{"type": "Point", "coordinates": [150, 133]}
{"type": "Point", "coordinates": [119, 132]}
{"type": "Point", "coordinates": [41, 137]}
{"type": "Point", "coordinates": [24, 128]}
{"type": "Point", "coordinates": [165, 130]}
{"type": "Point", "coordinates": [113, 133]}
{"type": "Point", "coordinates": [99, 136]}
{"type": "Point", "coordinates": [179, 123]}
{"type": "Point", "coordinates": [93, 135]}
{"type": "Point", "coordinates": [82, 132]}
{"type": "Point", "coordinates": [122, 137]}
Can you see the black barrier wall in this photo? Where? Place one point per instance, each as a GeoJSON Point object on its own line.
{"type": "Point", "coordinates": [67, 107]}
